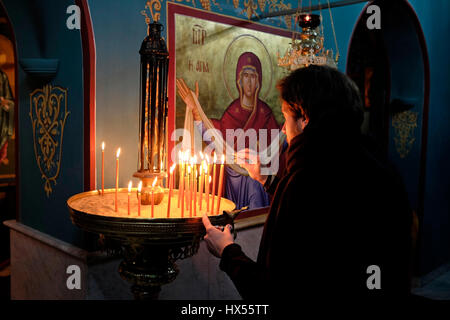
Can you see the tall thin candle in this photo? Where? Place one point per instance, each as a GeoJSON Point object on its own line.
{"type": "Point", "coordinates": [195, 191]}
{"type": "Point", "coordinates": [117, 177]}
{"type": "Point", "coordinates": [103, 168]}
{"type": "Point", "coordinates": [153, 196]}
{"type": "Point", "coordinates": [189, 193]}
{"type": "Point", "coordinates": [129, 193]}
{"type": "Point", "coordinates": [172, 168]}
{"type": "Point", "coordinates": [207, 192]}
{"type": "Point", "coordinates": [207, 182]}
{"type": "Point", "coordinates": [139, 198]}
{"type": "Point", "coordinates": [193, 185]}
{"type": "Point", "coordinates": [202, 180]}
{"type": "Point", "coordinates": [219, 193]}
{"type": "Point", "coordinates": [214, 184]}
{"type": "Point", "coordinates": [181, 180]}
{"type": "Point", "coordinates": [181, 193]}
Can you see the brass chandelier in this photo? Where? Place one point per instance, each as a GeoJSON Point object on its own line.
{"type": "Point", "coordinates": [307, 47]}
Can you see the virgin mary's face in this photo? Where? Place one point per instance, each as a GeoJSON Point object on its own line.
{"type": "Point", "coordinates": [249, 82]}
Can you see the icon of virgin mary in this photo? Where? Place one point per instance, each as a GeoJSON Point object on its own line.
{"type": "Point", "coordinates": [248, 111]}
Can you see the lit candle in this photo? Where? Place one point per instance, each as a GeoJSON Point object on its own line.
{"type": "Point", "coordinates": [139, 198]}
{"type": "Point", "coordinates": [181, 180]}
{"type": "Point", "coordinates": [195, 192]}
{"type": "Point", "coordinates": [188, 193]}
{"type": "Point", "coordinates": [214, 184]}
{"type": "Point", "coordinates": [207, 183]}
{"type": "Point", "coordinates": [117, 175]}
{"type": "Point", "coordinates": [182, 194]}
{"type": "Point", "coordinates": [219, 193]}
{"type": "Point", "coordinates": [207, 192]}
{"type": "Point", "coordinates": [153, 196]}
{"type": "Point", "coordinates": [193, 185]}
{"type": "Point", "coordinates": [129, 193]}
{"type": "Point", "coordinates": [103, 168]}
{"type": "Point", "coordinates": [202, 178]}
{"type": "Point", "coordinates": [172, 168]}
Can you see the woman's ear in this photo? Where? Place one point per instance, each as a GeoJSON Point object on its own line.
{"type": "Point", "coordinates": [301, 123]}
{"type": "Point", "coordinates": [304, 120]}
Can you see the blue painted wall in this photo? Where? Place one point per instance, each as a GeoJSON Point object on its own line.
{"type": "Point", "coordinates": [41, 32]}
{"type": "Point", "coordinates": [435, 244]}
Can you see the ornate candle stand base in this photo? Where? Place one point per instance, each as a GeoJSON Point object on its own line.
{"type": "Point", "coordinates": [147, 268]}
{"type": "Point", "coordinates": [149, 246]}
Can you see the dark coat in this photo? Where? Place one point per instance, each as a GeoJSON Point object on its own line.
{"type": "Point", "coordinates": [336, 211]}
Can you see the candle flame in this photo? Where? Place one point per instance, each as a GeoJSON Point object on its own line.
{"type": "Point", "coordinates": [207, 158]}
{"type": "Point", "coordinates": [118, 153]}
{"type": "Point", "coordinates": [154, 181]}
{"type": "Point", "coordinates": [189, 169]}
{"type": "Point", "coordinates": [194, 159]}
{"type": "Point", "coordinates": [209, 179]}
{"type": "Point", "coordinates": [103, 146]}
{"type": "Point", "coordinates": [223, 158]}
{"type": "Point", "coordinates": [172, 168]}
{"type": "Point", "coordinates": [129, 186]}
{"type": "Point", "coordinates": [201, 155]}
{"type": "Point", "coordinates": [205, 168]}
{"type": "Point", "coordinates": [140, 186]}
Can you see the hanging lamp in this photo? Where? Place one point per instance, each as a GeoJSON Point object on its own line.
{"type": "Point", "coordinates": [307, 47]}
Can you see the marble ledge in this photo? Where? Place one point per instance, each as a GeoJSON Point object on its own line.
{"type": "Point", "coordinates": [48, 240]}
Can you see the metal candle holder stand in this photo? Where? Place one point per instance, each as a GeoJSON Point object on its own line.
{"type": "Point", "coordinates": [149, 247]}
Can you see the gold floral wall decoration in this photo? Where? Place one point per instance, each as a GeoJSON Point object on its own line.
{"type": "Point", "coordinates": [250, 8]}
{"type": "Point", "coordinates": [206, 4]}
{"type": "Point", "coordinates": [156, 14]}
{"type": "Point", "coordinates": [404, 124]}
{"type": "Point", "coordinates": [48, 114]}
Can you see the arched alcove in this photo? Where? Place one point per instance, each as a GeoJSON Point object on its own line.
{"type": "Point", "coordinates": [390, 66]}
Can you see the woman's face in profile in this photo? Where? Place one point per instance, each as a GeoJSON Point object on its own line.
{"type": "Point", "coordinates": [292, 127]}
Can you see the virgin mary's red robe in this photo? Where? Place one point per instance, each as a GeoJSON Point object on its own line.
{"type": "Point", "coordinates": [236, 117]}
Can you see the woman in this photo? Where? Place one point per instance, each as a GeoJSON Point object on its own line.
{"type": "Point", "coordinates": [336, 212]}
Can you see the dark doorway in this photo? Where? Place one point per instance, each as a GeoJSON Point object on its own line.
{"type": "Point", "coordinates": [368, 66]}
{"type": "Point", "coordinates": [390, 66]}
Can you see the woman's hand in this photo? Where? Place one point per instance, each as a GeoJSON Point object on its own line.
{"type": "Point", "coordinates": [249, 160]}
{"type": "Point", "coordinates": [186, 94]}
{"type": "Point", "coordinates": [215, 239]}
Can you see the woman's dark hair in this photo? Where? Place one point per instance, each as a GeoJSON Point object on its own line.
{"type": "Point", "coordinates": [323, 94]}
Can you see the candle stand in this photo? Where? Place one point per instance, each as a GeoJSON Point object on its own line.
{"type": "Point", "coordinates": [149, 247]}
